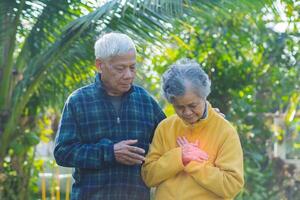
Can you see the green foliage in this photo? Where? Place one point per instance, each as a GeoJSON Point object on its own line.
{"type": "Point", "coordinates": [46, 52]}
{"type": "Point", "coordinates": [254, 71]}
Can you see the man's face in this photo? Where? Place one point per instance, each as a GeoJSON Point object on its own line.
{"type": "Point", "coordinates": [118, 73]}
{"type": "Point", "coordinates": [189, 107]}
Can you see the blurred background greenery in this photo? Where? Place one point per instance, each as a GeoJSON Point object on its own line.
{"type": "Point", "coordinates": [250, 50]}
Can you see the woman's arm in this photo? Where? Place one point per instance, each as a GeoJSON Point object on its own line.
{"type": "Point", "coordinates": [225, 177]}
{"type": "Point", "coordinates": [161, 164]}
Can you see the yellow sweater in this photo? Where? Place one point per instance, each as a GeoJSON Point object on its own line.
{"type": "Point", "coordinates": [221, 177]}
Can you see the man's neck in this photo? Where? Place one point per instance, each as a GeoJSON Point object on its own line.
{"type": "Point", "coordinates": [110, 91]}
{"type": "Point", "coordinates": [113, 94]}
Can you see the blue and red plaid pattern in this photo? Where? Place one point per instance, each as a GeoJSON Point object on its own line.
{"type": "Point", "coordinates": [89, 128]}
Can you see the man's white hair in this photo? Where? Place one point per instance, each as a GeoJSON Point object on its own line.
{"type": "Point", "coordinates": [113, 44]}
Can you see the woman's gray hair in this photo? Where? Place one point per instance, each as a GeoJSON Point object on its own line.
{"type": "Point", "coordinates": [113, 44]}
{"type": "Point", "coordinates": [185, 75]}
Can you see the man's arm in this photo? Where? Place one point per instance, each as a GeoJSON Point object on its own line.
{"type": "Point", "coordinates": [158, 116]}
{"type": "Point", "coordinates": [70, 152]}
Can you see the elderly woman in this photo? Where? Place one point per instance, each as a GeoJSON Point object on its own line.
{"type": "Point", "coordinates": [195, 154]}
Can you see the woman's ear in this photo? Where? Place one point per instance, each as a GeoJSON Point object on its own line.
{"type": "Point", "coordinates": [98, 64]}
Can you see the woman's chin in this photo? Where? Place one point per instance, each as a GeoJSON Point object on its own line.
{"type": "Point", "coordinates": [190, 121]}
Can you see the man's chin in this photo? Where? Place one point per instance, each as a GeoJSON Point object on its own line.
{"type": "Point", "coordinates": [125, 88]}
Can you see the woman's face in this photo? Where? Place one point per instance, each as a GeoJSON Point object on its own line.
{"type": "Point", "coordinates": [189, 107]}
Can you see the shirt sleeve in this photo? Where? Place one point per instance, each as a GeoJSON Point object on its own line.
{"type": "Point", "coordinates": [158, 115]}
{"type": "Point", "coordinates": [70, 152]}
{"type": "Point", "coordinates": [225, 176]}
{"type": "Point", "coordinates": [157, 168]}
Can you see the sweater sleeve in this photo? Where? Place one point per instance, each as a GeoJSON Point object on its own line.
{"type": "Point", "coordinates": [225, 176]}
{"type": "Point", "coordinates": [157, 168]}
{"type": "Point", "coordinates": [70, 152]}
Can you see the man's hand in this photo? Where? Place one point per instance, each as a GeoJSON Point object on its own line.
{"type": "Point", "coordinates": [219, 112]}
{"type": "Point", "coordinates": [127, 154]}
{"type": "Point", "coordinates": [191, 152]}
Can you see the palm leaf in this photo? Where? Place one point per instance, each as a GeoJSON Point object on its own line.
{"type": "Point", "coordinates": [50, 37]}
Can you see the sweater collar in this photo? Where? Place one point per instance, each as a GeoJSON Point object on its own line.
{"type": "Point", "coordinates": [203, 121]}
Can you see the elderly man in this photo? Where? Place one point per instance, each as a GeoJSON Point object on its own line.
{"type": "Point", "coordinates": [106, 127]}
{"type": "Point", "coordinates": [195, 154]}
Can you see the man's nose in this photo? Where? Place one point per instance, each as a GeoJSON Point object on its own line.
{"type": "Point", "coordinates": [128, 73]}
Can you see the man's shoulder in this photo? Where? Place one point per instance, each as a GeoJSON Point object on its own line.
{"type": "Point", "coordinates": [140, 89]}
{"type": "Point", "coordinates": [82, 92]}
{"type": "Point", "coordinates": [141, 92]}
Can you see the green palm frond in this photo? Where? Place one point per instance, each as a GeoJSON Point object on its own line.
{"type": "Point", "coordinates": [144, 27]}
{"type": "Point", "coordinates": [47, 31]}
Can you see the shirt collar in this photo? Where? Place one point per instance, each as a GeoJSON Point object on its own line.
{"type": "Point", "coordinates": [204, 113]}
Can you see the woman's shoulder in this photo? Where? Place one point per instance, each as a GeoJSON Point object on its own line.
{"type": "Point", "coordinates": [169, 121]}
{"type": "Point", "coordinates": [224, 125]}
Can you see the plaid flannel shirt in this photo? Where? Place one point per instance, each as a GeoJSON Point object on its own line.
{"type": "Point", "coordinates": [89, 128]}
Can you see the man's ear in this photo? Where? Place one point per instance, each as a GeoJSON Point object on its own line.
{"type": "Point", "coordinates": [98, 64]}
